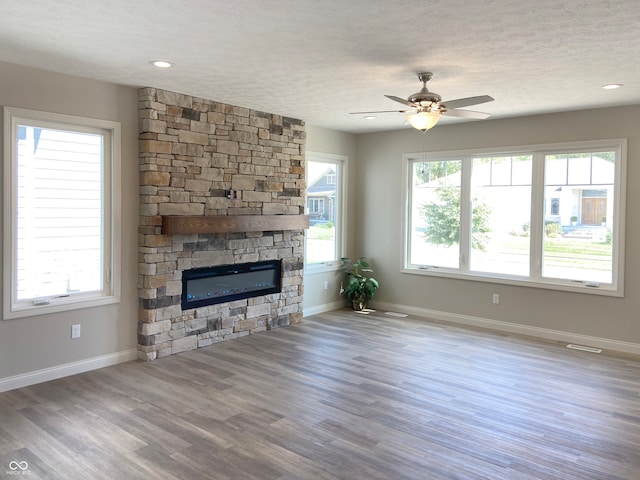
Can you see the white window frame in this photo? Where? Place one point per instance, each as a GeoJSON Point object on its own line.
{"type": "Point", "coordinates": [340, 225]}
{"type": "Point", "coordinates": [111, 210]}
{"type": "Point", "coordinates": [615, 289]}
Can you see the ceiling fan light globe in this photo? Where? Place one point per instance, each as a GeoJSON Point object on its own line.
{"type": "Point", "coordinates": [423, 120]}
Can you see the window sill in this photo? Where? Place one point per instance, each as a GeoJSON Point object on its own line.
{"type": "Point", "coordinates": [322, 268]}
{"type": "Point", "coordinates": [57, 306]}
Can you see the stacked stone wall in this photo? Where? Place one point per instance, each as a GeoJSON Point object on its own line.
{"type": "Point", "coordinates": [192, 152]}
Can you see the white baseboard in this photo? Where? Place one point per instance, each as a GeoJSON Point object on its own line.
{"type": "Point", "coordinates": [326, 307]}
{"type": "Point", "coordinates": [59, 371]}
{"type": "Point", "coordinates": [544, 333]}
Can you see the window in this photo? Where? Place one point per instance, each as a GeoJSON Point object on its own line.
{"type": "Point", "coordinates": [435, 194]}
{"type": "Point", "coordinates": [549, 216]}
{"type": "Point", "coordinates": [501, 206]}
{"type": "Point", "coordinates": [324, 238]}
{"type": "Point", "coordinates": [316, 206]}
{"type": "Point", "coordinates": [586, 180]}
{"type": "Point", "coordinates": [60, 212]}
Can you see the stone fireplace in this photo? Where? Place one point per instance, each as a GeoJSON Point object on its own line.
{"type": "Point", "coordinates": [204, 160]}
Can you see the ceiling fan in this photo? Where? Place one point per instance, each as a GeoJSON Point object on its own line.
{"type": "Point", "coordinates": [428, 106]}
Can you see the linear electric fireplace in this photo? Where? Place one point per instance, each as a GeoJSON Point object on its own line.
{"type": "Point", "coordinates": [225, 283]}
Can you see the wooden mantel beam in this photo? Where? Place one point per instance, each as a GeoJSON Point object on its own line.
{"type": "Point", "coordinates": [187, 225]}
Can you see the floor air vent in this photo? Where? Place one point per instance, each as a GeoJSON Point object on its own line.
{"type": "Point", "coordinates": [584, 348]}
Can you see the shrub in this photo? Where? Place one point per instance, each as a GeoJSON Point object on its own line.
{"type": "Point", "coordinates": [552, 229]}
{"type": "Point", "coordinates": [608, 237]}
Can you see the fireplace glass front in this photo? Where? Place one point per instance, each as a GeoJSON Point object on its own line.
{"type": "Point", "coordinates": [225, 283]}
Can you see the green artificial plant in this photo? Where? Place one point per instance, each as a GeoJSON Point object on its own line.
{"type": "Point", "coordinates": [357, 286]}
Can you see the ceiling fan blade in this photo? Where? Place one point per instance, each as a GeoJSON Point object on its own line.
{"type": "Point", "coordinates": [400, 100]}
{"type": "Point", "coordinates": [380, 111]}
{"type": "Point", "coordinates": [452, 112]}
{"type": "Point", "coordinates": [465, 102]}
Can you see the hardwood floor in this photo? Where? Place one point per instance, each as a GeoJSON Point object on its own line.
{"type": "Point", "coordinates": [340, 396]}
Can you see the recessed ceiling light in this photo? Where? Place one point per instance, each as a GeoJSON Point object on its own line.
{"type": "Point", "coordinates": [370, 117]}
{"type": "Point", "coordinates": [161, 64]}
{"type": "Point", "coordinates": [612, 86]}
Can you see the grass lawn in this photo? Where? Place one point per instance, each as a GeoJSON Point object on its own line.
{"type": "Point", "coordinates": [566, 252]}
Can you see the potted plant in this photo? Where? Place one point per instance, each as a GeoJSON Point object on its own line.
{"type": "Point", "coordinates": [574, 220]}
{"type": "Point", "coordinates": [357, 287]}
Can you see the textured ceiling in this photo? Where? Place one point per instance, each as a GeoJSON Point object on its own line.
{"type": "Point", "coordinates": [318, 60]}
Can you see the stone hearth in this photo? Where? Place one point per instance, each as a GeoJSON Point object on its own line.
{"type": "Point", "coordinates": [192, 153]}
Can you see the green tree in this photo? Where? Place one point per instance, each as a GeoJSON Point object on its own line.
{"type": "Point", "coordinates": [429, 171]}
{"type": "Point", "coordinates": [443, 220]}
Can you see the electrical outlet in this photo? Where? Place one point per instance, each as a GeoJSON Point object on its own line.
{"type": "Point", "coordinates": [496, 298]}
{"type": "Point", "coordinates": [326, 285]}
{"type": "Point", "coordinates": [75, 331]}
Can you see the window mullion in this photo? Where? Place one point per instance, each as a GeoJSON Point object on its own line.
{"type": "Point", "coordinates": [536, 230]}
{"type": "Point", "coordinates": [465, 214]}
{"type": "Point", "coordinates": [619, 213]}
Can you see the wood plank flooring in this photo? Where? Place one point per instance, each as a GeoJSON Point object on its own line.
{"type": "Point", "coordinates": [340, 396]}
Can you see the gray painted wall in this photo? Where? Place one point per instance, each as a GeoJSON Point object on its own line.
{"type": "Point", "coordinates": [41, 342]}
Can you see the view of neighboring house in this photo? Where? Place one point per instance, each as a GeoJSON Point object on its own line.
{"type": "Point", "coordinates": [578, 190]}
{"type": "Point", "coordinates": [59, 221]}
{"type": "Point", "coordinates": [321, 193]}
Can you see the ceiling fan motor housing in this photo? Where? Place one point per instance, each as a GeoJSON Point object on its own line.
{"type": "Point", "coordinates": [425, 99]}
